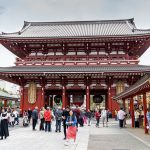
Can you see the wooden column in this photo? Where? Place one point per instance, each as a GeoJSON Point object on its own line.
{"type": "Point", "coordinates": [124, 104]}
{"type": "Point", "coordinates": [51, 102]}
{"type": "Point", "coordinates": [132, 111]}
{"type": "Point", "coordinates": [145, 111]}
{"type": "Point", "coordinates": [109, 83]}
{"type": "Point", "coordinates": [63, 97]}
{"type": "Point", "coordinates": [109, 98]}
{"type": "Point", "coordinates": [42, 96]}
{"type": "Point", "coordinates": [5, 103]}
{"type": "Point", "coordinates": [22, 100]}
{"type": "Point", "coordinates": [87, 97]}
{"type": "Point", "coordinates": [106, 101]}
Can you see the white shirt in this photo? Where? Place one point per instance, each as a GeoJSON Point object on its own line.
{"type": "Point", "coordinates": [136, 115]}
{"type": "Point", "coordinates": [104, 113]}
{"type": "Point", "coordinates": [121, 114]}
{"type": "Point", "coordinates": [15, 113]}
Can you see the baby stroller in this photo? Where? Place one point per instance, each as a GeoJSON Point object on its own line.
{"type": "Point", "coordinates": [25, 121]}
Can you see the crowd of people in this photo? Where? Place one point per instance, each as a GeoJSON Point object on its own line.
{"type": "Point", "coordinates": [69, 118]}
{"type": "Point", "coordinates": [8, 118]}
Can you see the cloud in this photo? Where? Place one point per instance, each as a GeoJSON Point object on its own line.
{"type": "Point", "coordinates": [2, 9]}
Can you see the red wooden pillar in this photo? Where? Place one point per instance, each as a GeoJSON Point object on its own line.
{"type": "Point", "coordinates": [132, 111]}
{"type": "Point", "coordinates": [42, 96]}
{"type": "Point", "coordinates": [67, 100]}
{"type": "Point", "coordinates": [145, 111]}
{"type": "Point", "coordinates": [63, 97]}
{"type": "Point", "coordinates": [22, 100]}
{"type": "Point", "coordinates": [51, 101]}
{"type": "Point", "coordinates": [124, 104]}
{"type": "Point", "coordinates": [109, 98]}
{"type": "Point", "coordinates": [5, 103]}
{"type": "Point", "coordinates": [87, 97]}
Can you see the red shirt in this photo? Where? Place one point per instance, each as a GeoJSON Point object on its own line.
{"type": "Point", "coordinates": [47, 115]}
{"type": "Point", "coordinates": [97, 115]}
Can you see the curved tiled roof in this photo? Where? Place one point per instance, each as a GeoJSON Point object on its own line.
{"type": "Point", "coordinates": [74, 69]}
{"type": "Point", "coordinates": [134, 88]}
{"type": "Point", "coordinates": [77, 29]}
{"type": "Point", "coordinates": [5, 95]}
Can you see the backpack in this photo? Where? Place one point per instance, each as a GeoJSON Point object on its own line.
{"type": "Point", "coordinates": [58, 114]}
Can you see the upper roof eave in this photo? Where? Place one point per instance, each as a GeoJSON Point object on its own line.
{"type": "Point", "coordinates": [80, 69]}
{"type": "Point", "coordinates": [76, 37]}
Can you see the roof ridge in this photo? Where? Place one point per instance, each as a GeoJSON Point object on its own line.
{"type": "Point", "coordinates": [131, 20]}
{"type": "Point", "coordinates": [142, 29]}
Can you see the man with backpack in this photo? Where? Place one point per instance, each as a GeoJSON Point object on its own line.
{"type": "Point", "coordinates": [58, 117]}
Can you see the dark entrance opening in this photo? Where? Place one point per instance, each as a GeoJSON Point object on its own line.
{"type": "Point", "coordinates": [53, 98]}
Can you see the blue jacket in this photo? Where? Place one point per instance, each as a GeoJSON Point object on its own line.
{"type": "Point", "coordinates": [71, 119]}
{"type": "Point", "coordinates": [35, 114]}
{"type": "Point", "coordinates": [148, 116]}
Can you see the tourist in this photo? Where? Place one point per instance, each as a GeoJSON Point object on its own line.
{"type": "Point", "coordinates": [41, 117]}
{"type": "Point", "coordinates": [47, 118]}
{"type": "Point", "coordinates": [136, 118]}
{"type": "Point", "coordinates": [16, 113]}
{"type": "Point", "coordinates": [58, 117]}
{"type": "Point", "coordinates": [72, 129]}
{"type": "Point", "coordinates": [25, 119]}
{"type": "Point", "coordinates": [29, 114]}
{"type": "Point", "coordinates": [121, 116]}
{"type": "Point", "coordinates": [77, 114]}
{"type": "Point", "coordinates": [116, 115]}
{"type": "Point", "coordinates": [11, 118]}
{"type": "Point", "coordinates": [89, 116]}
{"type": "Point", "coordinates": [4, 132]}
{"type": "Point", "coordinates": [64, 117]}
{"type": "Point", "coordinates": [81, 118]}
{"type": "Point", "coordinates": [104, 117]}
{"type": "Point", "coordinates": [34, 118]}
{"type": "Point", "coordinates": [84, 116]}
{"type": "Point", "coordinates": [97, 116]}
{"type": "Point", "coordinates": [148, 118]}
{"type": "Point", "coordinates": [108, 114]}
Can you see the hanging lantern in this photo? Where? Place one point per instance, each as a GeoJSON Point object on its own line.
{"type": "Point", "coordinates": [57, 99]}
{"type": "Point", "coordinates": [97, 99]}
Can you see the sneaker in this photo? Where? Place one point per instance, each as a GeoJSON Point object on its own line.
{"type": "Point", "coordinates": [74, 143]}
{"type": "Point", "coordinates": [66, 143]}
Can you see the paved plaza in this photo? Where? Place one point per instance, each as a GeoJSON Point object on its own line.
{"type": "Point", "coordinates": [88, 138]}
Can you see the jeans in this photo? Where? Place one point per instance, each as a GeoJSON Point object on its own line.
{"type": "Point", "coordinates": [121, 123]}
{"type": "Point", "coordinates": [58, 125]}
{"type": "Point", "coordinates": [97, 122]}
{"type": "Point", "coordinates": [89, 121]}
{"type": "Point", "coordinates": [17, 120]}
{"type": "Point", "coordinates": [34, 123]}
{"type": "Point", "coordinates": [42, 124]}
{"type": "Point", "coordinates": [47, 126]}
{"type": "Point", "coordinates": [65, 127]}
{"type": "Point", "coordinates": [104, 120]}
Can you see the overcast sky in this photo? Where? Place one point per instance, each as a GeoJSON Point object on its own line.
{"type": "Point", "coordinates": [14, 12]}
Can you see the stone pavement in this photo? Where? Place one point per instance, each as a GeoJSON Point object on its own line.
{"type": "Point", "coordinates": [24, 138]}
{"type": "Point", "coordinates": [114, 138]}
{"type": "Point", "coordinates": [88, 138]}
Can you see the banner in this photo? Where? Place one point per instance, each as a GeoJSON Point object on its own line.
{"type": "Point", "coordinates": [32, 93]}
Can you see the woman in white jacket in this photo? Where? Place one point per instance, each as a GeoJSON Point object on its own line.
{"type": "Point", "coordinates": [4, 124]}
